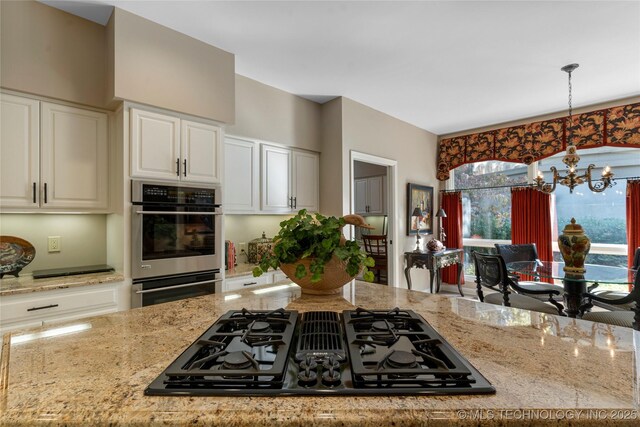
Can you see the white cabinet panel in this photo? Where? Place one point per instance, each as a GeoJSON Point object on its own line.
{"type": "Point", "coordinates": [375, 195]}
{"type": "Point", "coordinates": [360, 196]}
{"type": "Point", "coordinates": [244, 282]}
{"type": "Point", "coordinates": [306, 180]}
{"type": "Point", "coordinates": [240, 176]}
{"type": "Point", "coordinates": [168, 148]}
{"type": "Point", "coordinates": [53, 156]}
{"type": "Point", "coordinates": [155, 145]}
{"type": "Point", "coordinates": [370, 195]}
{"type": "Point", "coordinates": [74, 157]}
{"type": "Point", "coordinates": [200, 145]}
{"type": "Point", "coordinates": [28, 310]}
{"type": "Point", "coordinates": [276, 179]}
{"type": "Point", "coordinates": [19, 151]}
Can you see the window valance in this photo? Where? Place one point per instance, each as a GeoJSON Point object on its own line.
{"type": "Point", "coordinates": [527, 143]}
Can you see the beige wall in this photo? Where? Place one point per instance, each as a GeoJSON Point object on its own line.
{"type": "Point", "coordinates": [52, 53]}
{"type": "Point", "coordinates": [331, 178]}
{"type": "Point", "coordinates": [266, 113]}
{"type": "Point", "coordinates": [157, 66]}
{"type": "Point", "coordinates": [369, 131]}
{"type": "Point", "coordinates": [364, 170]}
{"type": "Point", "coordinates": [349, 126]}
{"type": "Point", "coordinates": [82, 238]}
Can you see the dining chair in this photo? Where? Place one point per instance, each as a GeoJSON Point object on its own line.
{"type": "Point", "coordinates": [526, 252]}
{"type": "Point", "coordinates": [491, 273]}
{"type": "Point", "coordinates": [629, 318]}
{"type": "Point", "coordinates": [615, 294]}
{"type": "Point", "coordinates": [376, 247]}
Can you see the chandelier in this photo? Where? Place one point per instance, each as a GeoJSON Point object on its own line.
{"type": "Point", "coordinates": [571, 179]}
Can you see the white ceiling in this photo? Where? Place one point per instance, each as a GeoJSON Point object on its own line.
{"type": "Point", "coordinates": [443, 66]}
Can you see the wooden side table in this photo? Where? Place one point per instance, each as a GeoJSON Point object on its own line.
{"type": "Point", "coordinates": [434, 262]}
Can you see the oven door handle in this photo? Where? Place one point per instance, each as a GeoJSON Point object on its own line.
{"type": "Point", "coordinates": [177, 213]}
{"type": "Point", "coordinates": [166, 288]}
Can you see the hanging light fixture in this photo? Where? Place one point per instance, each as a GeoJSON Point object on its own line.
{"type": "Point", "coordinates": [571, 159]}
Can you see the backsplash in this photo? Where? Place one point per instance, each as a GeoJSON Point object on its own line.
{"type": "Point", "coordinates": [245, 228]}
{"type": "Point", "coordinates": [83, 238]}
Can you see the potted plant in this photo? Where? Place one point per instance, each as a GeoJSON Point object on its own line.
{"type": "Point", "coordinates": [313, 253]}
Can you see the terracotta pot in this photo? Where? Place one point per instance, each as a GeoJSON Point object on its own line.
{"type": "Point", "coordinates": [335, 277]}
{"type": "Point", "coordinates": [574, 246]}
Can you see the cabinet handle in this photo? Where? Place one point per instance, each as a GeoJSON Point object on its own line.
{"type": "Point", "coordinates": [250, 283]}
{"type": "Point", "coordinates": [295, 203]}
{"type": "Point", "coordinates": [178, 166]}
{"type": "Point", "coordinates": [45, 192]}
{"type": "Point", "coordinates": [184, 172]}
{"type": "Point", "coordinates": [43, 307]}
{"type": "Point", "coordinates": [34, 192]}
{"type": "Point", "coordinates": [291, 202]}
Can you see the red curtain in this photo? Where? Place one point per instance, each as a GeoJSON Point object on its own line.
{"type": "Point", "coordinates": [633, 219]}
{"type": "Point", "coordinates": [452, 204]}
{"type": "Point", "coordinates": [531, 220]}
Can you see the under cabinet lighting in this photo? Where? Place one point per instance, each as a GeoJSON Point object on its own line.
{"type": "Point", "coordinates": [232, 297]}
{"type": "Point", "coordinates": [273, 289]}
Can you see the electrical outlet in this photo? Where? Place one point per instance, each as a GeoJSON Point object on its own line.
{"type": "Point", "coordinates": [242, 246]}
{"type": "Point", "coordinates": [54, 244]}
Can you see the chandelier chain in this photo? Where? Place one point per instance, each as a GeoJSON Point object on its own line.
{"type": "Point", "coordinates": [570, 107]}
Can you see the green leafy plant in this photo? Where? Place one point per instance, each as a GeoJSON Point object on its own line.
{"type": "Point", "coordinates": [317, 238]}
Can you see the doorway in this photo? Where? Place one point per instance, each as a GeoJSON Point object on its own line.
{"type": "Point", "coordinates": [373, 196]}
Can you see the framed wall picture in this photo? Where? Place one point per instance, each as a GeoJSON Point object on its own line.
{"type": "Point", "coordinates": [419, 209]}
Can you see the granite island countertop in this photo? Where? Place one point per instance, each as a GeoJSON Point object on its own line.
{"type": "Point", "coordinates": [546, 369]}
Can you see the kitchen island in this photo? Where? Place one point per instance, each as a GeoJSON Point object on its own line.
{"type": "Point", "coordinates": [546, 369]}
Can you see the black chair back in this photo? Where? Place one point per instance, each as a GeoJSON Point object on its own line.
{"type": "Point", "coordinates": [636, 260]}
{"type": "Point", "coordinates": [376, 247]}
{"type": "Point", "coordinates": [490, 273]}
{"type": "Point", "coordinates": [515, 253]}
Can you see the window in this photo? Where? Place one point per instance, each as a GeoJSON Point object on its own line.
{"type": "Point", "coordinates": [602, 215]}
{"type": "Point", "coordinates": [486, 211]}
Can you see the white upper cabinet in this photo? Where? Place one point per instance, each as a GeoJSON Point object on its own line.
{"type": "Point", "coordinates": [306, 180]}
{"type": "Point", "coordinates": [361, 196]}
{"type": "Point", "coordinates": [155, 145]}
{"type": "Point", "coordinates": [167, 148]}
{"type": "Point", "coordinates": [19, 152]}
{"type": "Point", "coordinates": [200, 146]}
{"type": "Point", "coordinates": [74, 157]}
{"type": "Point", "coordinates": [276, 179]}
{"type": "Point", "coordinates": [53, 156]}
{"type": "Point", "coordinates": [240, 176]}
{"type": "Point", "coordinates": [290, 180]}
{"type": "Point", "coordinates": [370, 195]}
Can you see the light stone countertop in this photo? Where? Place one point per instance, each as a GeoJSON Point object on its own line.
{"type": "Point", "coordinates": [27, 284]}
{"type": "Point", "coordinates": [241, 269]}
{"type": "Point", "coordinates": [546, 369]}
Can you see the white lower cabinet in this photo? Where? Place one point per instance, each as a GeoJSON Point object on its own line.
{"type": "Point", "coordinates": [243, 282]}
{"type": "Point", "coordinates": [45, 307]}
{"type": "Point", "coordinates": [248, 281]}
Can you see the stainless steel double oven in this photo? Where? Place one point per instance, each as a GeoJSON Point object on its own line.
{"type": "Point", "coordinates": [176, 250]}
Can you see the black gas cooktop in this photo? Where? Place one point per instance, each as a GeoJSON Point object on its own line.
{"type": "Point", "coordinates": [357, 352]}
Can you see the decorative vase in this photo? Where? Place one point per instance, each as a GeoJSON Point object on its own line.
{"type": "Point", "coordinates": [258, 248]}
{"type": "Point", "coordinates": [435, 245]}
{"type": "Point", "coordinates": [334, 278]}
{"type": "Point", "coordinates": [574, 247]}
